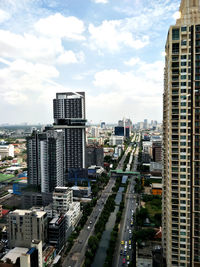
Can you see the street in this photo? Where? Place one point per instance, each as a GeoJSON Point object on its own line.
{"type": "Point", "coordinates": [124, 250]}
{"type": "Point", "coordinates": [76, 255]}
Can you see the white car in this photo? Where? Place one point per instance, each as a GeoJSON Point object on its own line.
{"type": "Point", "coordinates": [129, 247]}
{"type": "Point", "coordinates": [130, 231]}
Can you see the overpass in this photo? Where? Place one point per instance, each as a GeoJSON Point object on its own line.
{"type": "Point", "coordinates": [120, 173]}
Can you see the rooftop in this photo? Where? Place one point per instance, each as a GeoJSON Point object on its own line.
{"type": "Point", "coordinates": [39, 214]}
{"type": "Point", "coordinates": [14, 253]}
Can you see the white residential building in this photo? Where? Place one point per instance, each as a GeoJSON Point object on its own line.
{"type": "Point", "coordinates": [62, 198]}
{"type": "Point", "coordinates": [73, 215]}
{"type": "Point", "coordinates": [116, 140]}
{"type": "Point", "coordinates": [6, 151]}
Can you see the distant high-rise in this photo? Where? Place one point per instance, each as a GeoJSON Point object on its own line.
{"type": "Point", "coordinates": [45, 159]}
{"type": "Point", "coordinates": [145, 123]}
{"type": "Point", "coordinates": [103, 125]}
{"type": "Point", "coordinates": [69, 115]}
{"type": "Point", "coordinates": [181, 140]}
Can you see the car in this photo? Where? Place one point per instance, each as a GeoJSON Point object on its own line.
{"type": "Point", "coordinates": [124, 261]}
{"type": "Point", "coordinates": [124, 253]}
{"type": "Point", "coordinates": [130, 231]}
{"type": "Point", "coordinates": [126, 243]}
{"type": "Point", "coordinates": [88, 227]}
{"type": "Point", "coordinates": [121, 252]}
{"type": "Point", "coordinates": [128, 262]}
{"type": "Point", "coordinates": [127, 257]}
{"type": "Point", "coordinates": [129, 242]}
{"type": "Point", "coordinates": [129, 247]}
{"type": "Point", "coordinates": [122, 242]}
{"type": "Point", "coordinates": [90, 222]}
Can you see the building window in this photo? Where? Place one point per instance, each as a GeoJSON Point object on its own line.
{"type": "Point", "coordinates": [184, 28]}
{"type": "Point", "coordinates": [183, 63]}
{"type": "Point", "coordinates": [184, 57]}
{"type": "Point", "coordinates": [175, 34]}
{"type": "Point", "coordinates": [183, 77]}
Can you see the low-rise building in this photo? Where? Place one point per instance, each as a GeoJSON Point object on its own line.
{"type": "Point", "coordinates": [62, 198]}
{"type": "Point", "coordinates": [94, 155]}
{"type": "Point", "coordinates": [156, 189]}
{"type": "Point", "coordinates": [73, 215]}
{"type": "Point", "coordinates": [6, 151]}
{"type": "Point", "coordinates": [57, 232]}
{"type": "Point", "coordinates": [81, 191]}
{"type": "Point", "coordinates": [48, 255]}
{"type": "Point", "coordinates": [116, 140]}
{"type": "Point", "coordinates": [26, 257]}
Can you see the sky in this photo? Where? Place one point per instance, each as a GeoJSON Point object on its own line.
{"type": "Point", "coordinates": [111, 49]}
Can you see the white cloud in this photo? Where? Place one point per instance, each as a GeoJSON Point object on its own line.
{"type": "Point", "coordinates": [135, 93]}
{"type": "Point", "coordinates": [61, 27]}
{"type": "Point", "coordinates": [113, 34]}
{"type": "Point", "coordinates": [69, 56]}
{"type": "Point", "coordinates": [15, 98]}
{"type": "Point", "coordinates": [20, 79]}
{"type": "Point", "coordinates": [132, 61]}
{"type": "Point", "coordinates": [4, 15]}
{"type": "Point", "coordinates": [100, 1]}
{"type": "Point", "coordinates": [29, 47]}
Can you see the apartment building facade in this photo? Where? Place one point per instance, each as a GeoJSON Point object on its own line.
{"type": "Point", "coordinates": [26, 225]}
{"type": "Point", "coordinates": [45, 159]}
{"type": "Point", "coordinates": [181, 140]}
{"type": "Point", "coordinates": [69, 115]}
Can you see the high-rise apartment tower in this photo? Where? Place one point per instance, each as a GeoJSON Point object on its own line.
{"type": "Point", "coordinates": [69, 115]}
{"type": "Point", "coordinates": [45, 159]}
{"type": "Point", "coordinates": [181, 139]}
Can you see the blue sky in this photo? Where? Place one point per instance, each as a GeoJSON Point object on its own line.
{"type": "Point", "coordinates": [111, 49]}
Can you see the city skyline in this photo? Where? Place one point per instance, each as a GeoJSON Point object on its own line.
{"type": "Point", "coordinates": [114, 52]}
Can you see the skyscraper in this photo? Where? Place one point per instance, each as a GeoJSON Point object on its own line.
{"type": "Point", "coordinates": [181, 139]}
{"type": "Point", "coordinates": [145, 123]}
{"type": "Point", "coordinates": [45, 159]}
{"type": "Point", "coordinates": [69, 115]}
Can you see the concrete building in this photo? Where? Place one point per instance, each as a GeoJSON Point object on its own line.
{"type": "Point", "coordinates": [37, 199]}
{"type": "Point", "coordinates": [69, 115]}
{"type": "Point", "coordinates": [119, 130]}
{"type": "Point", "coordinates": [94, 155]}
{"type": "Point", "coordinates": [181, 135]}
{"type": "Point", "coordinates": [62, 198]}
{"type": "Point", "coordinates": [116, 140]}
{"type": "Point", "coordinates": [33, 257]}
{"type": "Point", "coordinates": [94, 131]}
{"type": "Point", "coordinates": [45, 159]}
{"type": "Point", "coordinates": [6, 151]}
{"type": "Point", "coordinates": [145, 125]}
{"type": "Point", "coordinates": [26, 225]}
{"type": "Point", "coordinates": [73, 215]}
{"type": "Point", "coordinates": [157, 151]}
{"type": "Point", "coordinates": [57, 232]}
{"type": "Point", "coordinates": [81, 191]}
{"type": "Point", "coordinates": [24, 256]}
{"type": "Point", "coordinates": [103, 125]}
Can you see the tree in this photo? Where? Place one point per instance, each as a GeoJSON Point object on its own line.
{"type": "Point", "coordinates": [93, 243]}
